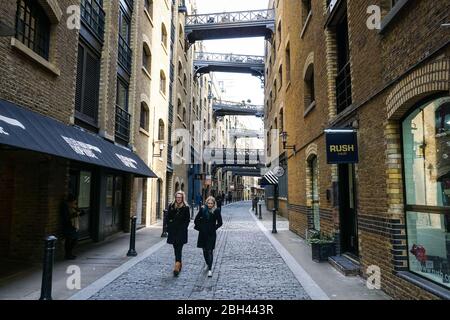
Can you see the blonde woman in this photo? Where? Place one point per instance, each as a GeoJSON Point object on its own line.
{"type": "Point", "coordinates": [177, 227]}
{"type": "Point", "coordinates": [207, 221]}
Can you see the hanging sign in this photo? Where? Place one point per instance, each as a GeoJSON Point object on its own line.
{"type": "Point", "coordinates": [342, 146]}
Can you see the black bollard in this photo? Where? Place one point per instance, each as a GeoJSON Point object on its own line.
{"type": "Point", "coordinates": [260, 217]}
{"type": "Point", "coordinates": [165, 218]}
{"type": "Point", "coordinates": [256, 209]}
{"type": "Point", "coordinates": [49, 254]}
{"type": "Point", "coordinates": [274, 224]}
{"type": "Point", "coordinates": [132, 251]}
{"type": "Point", "coordinates": [192, 211]}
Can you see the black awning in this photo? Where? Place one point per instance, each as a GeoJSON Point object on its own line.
{"type": "Point", "coordinates": [25, 129]}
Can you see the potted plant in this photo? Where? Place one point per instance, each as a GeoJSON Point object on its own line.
{"type": "Point", "coordinates": [322, 247]}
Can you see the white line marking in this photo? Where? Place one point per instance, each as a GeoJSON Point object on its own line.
{"type": "Point", "coordinates": [95, 287]}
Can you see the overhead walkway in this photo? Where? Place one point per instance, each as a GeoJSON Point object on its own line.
{"type": "Point", "coordinates": [206, 62]}
{"type": "Point", "coordinates": [227, 25]}
{"type": "Point", "coordinates": [227, 108]}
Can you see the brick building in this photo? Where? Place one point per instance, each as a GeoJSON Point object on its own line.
{"type": "Point", "coordinates": [274, 106]}
{"type": "Point", "coordinates": [76, 83]}
{"type": "Point", "coordinates": [389, 83]}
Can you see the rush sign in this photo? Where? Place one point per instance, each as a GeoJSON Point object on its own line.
{"type": "Point", "coordinates": [342, 146]}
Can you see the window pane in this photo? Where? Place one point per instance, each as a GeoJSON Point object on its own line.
{"type": "Point", "coordinates": [84, 196]}
{"type": "Point", "coordinates": [109, 191]}
{"type": "Point", "coordinates": [426, 145]}
{"type": "Point", "coordinates": [429, 246]}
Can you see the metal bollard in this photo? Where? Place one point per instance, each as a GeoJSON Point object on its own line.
{"type": "Point", "coordinates": [256, 209]}
{"type": "Point", "coordinates": [260, 217]}
{"type": "Point", "coordinates": [49, 254]}
{"type": "Point", "coordinates": [192, 212]}
{"type": "Point", "coordinates": [132, 251]}
{"type": "Point", "coordinates": [165, 217]}
{"type": "Point", "coordinates": [274, 224]}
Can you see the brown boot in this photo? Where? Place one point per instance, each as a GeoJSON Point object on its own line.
{"type": "Point", "coordinates": [181, 266]}
{"type": "Point", "coordinates": [177, 269]}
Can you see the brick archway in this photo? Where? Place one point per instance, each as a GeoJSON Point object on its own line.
{"type": "Point", "coordinates": [431, 78]}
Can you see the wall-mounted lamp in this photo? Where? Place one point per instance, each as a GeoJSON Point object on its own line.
{"type": "Point", "coordinates": [161, 148]}
{"type": "Point", "coordinates": [284, 136]}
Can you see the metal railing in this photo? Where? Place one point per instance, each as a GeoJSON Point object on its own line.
{"type": "Point", "coordinates": [238, 108]}
{"type": "Point", "coordinates": [242, 133]}
{"type": "Point", "coordinates": [123, 120]}
{"type": "Point", "coordinates": [234, 156]}
{"type": "Point", "coordinates": [231, 17]}
{"type": "Point", "coordinates": [229, 57]}
{"type": "Point", "coordinates": [93, 15]}
{"type": "Point", "coordinates": [344, 88]}
{"type": "Point", "coordinates": [125, 54]}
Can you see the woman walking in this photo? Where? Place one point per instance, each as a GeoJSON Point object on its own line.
{"type": "Point", "coordinates": [207, 221]}
{"type": "Point", "coordinates": [177, 227]}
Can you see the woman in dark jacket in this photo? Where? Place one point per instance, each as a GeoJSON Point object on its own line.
{"type": "Point", "coordinates": [207, 221]}
{"type": "Point", "coordinates": [177, 227]}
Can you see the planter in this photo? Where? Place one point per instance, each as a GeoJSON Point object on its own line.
{"type": "Point", "coordinates": [321, 251]}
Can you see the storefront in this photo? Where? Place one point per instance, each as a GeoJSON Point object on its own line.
{"type": "Point", "coordinates": [426, 158]}
{"type": "Point", "coordinates": [42, 161]}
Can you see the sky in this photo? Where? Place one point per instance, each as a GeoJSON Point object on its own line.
{"type": "Point", "coordinates": [237, 87]}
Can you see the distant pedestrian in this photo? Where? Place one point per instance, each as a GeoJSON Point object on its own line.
{"type": "Point", "coordinates": [70, 217]}
{"type": "Point", "coordinates": [219, 202]}
{"type": "Point", "coordinates": [207, 221]}
{"type": "Point", "coordinates": [177, 227]}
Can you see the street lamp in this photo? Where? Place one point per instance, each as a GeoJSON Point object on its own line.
{"type": "Point", "coordinates": [284, 136]}
{"type": "Point", "coordinates": [161, 148]}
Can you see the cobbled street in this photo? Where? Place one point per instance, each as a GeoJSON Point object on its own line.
{"type": "Point", "coordinates": [246, 266]}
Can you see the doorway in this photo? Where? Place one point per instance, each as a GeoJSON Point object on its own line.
{"type": "Point", "coordinates": [347, 210]}
{"type": "Point", "coordinates": [158, 198]}
{"type": "Point", "coordinates": [80, 185]}
{"type": "Point", "coordinates": [114, 204]}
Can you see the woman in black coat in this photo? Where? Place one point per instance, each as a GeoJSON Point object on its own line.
{"type": "Point", "coordinates": [177, 227]}
{"type": "Point", "coordinates": [207, 221]}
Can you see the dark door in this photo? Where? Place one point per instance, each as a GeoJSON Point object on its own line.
{"type": "Point", "coordinates": [348, 214]}
{"type": "Point", "coordinates": [158, 199]}
{"type": "Point", "coordinates": [80, 185]}
{"type": "Point", "coordinates": [114, 204]}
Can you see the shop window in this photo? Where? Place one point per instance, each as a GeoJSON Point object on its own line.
{"type": "Point", "coordinates": [33, 27]}
{"type": "Point", "coordinates": [426, 156]}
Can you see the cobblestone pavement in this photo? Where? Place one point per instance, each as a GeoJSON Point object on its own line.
{"type": "Point", "coordinates": [246, 266]}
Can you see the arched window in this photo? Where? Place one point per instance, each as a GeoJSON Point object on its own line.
{"type": "Point", "coordinates": [144, 117]}
{"type": "Point", "coordinates": [147, 58]}
{"type": "Point", "coordinates": [288, 62]}
{"type": "Point", "coordinates": [181, 35]}
{"type": "Point", "coordinates": [33, 27]}
{"type": "Point", "coordinates": [184, 115]}
{"type": "Point", "coordinates": [182, 187]}
{"type": "Point", "coordinates": [185, 84]}
{"type": "Point", "coordinates": [310, 92]}
{"type": "Point", "coordinates": [179, 107]}
{"type": "Point", "coordinates": [177, 186]}
{"type": "Point", "coordinates": [164, 35]}
{"type": "Point", "coordinates": [148, 5]}
{"type": "Point", "coordinates": [161, 130]}
{"type": "Point", "coordinates": [426, 159]}
{"type": "Point", "coordinates": [163, 82]}
{"type": "Point", "coordinates": [180, 69]}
